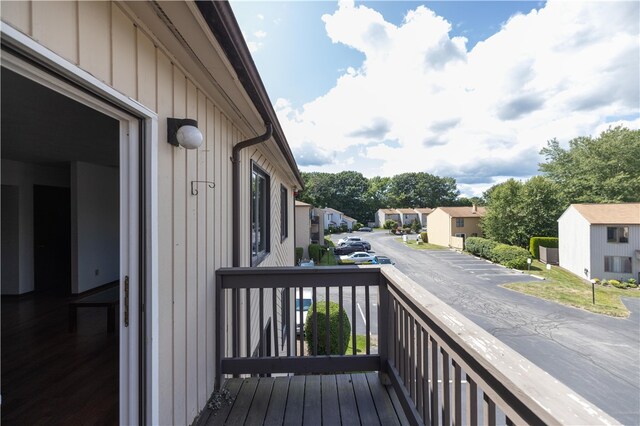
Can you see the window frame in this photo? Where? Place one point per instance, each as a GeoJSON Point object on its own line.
{"type": "Point", "coordinates": [619, 235]}
{"type": "Point", "coordinates": [284, 213]}
{"type": "Point", "coordinates": [257, 256]}
{"type": "Point", "coordinates": [459, 222]}
{"type": "Point", "coordinates": [624, 261]}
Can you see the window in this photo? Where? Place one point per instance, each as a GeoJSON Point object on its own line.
{"type": "Point", "coordinates": [260, 220]}
{"type": "Point", "coordinates": [617, 234]}
{"type": "Point", "coordinates": [617, 264]}
{"type": "Point", "coordinates": [284, 214]}
{"type": "Point", "coordinates": [459, 222]}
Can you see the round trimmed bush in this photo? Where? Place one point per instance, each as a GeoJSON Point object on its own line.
{"type": "Point", "coordinates": [425, 237]}
{"type": "Point", "coordinates": [510, 256]}
{"type": "Point", "coordinates": [336, 347]}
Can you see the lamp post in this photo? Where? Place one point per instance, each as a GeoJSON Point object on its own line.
{"type": "Point", "coordinates": [593, 291]}
{"type": "Point", "coordinates": [529, 264]}
{"type": "Point", "coordinates": [548, 269]}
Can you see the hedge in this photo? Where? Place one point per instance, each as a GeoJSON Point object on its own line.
{"type": "Point", "coordinates": [425, 237]}
{"type": "Point", "coordinates": [315, 252]}
{"type": "Point", "coordinates": [480, 247]}
{"type": "Point", "coordinates": [336, 347]}
{"type": "Point", "coordinates": [510, 256]}
{"type": "Point", "coordinates": [299, 253]}
{"type": "Point", "coordinates": [536, 242]}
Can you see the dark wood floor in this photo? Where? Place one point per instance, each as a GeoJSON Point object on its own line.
{"type": "Point", "coordinates": [51, 376]}
{"type": "Point", "coordinates": [347, 399]}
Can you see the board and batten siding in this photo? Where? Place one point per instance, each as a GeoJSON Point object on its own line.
{"type": "Point", "coordinates": [195, 232]}
{"type": "Point", "coordinates": [601, 248]}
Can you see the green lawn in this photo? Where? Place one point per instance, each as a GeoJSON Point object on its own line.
{"type": "Point", "coordinates": [361, 344]}
{"type": "Point", "coordinates": [411, 242]}
{"type": "Point", "coordinates": [328, 259]}
{"type": "Point", "coordinates": [563, 287]}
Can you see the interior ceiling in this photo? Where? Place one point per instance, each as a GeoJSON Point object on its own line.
{"type": "Point", "coordinates": [44, 127]}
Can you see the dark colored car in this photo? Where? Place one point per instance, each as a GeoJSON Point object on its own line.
{"type": "Point", "coordinates": [366, 244]}
{"type": "Point", "coordinates": [349, 248]}
{"type": "Point", "coordinates": [365, 229]}
{"type": "Point", "coordinates": [384, 260]}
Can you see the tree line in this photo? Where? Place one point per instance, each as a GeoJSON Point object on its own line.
{"type": "Point", "coordinates": [603, 169]}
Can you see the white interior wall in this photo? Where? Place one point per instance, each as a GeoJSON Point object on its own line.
{"type": "Point", "coordinates": [94, 226]}
{"type": "Point", "coordinates": [24, 176]}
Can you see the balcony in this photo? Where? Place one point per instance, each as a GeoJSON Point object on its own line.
{"type": "Point", "coordinates": [422, 361]}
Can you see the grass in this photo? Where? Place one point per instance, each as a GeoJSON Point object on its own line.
{"type": "Point", "coordinates": [563, 287]}
{"type": "Point", "coordinates": [361, 344]}
{"type": "Point", "coordinates": [328, 259]}
{"type": "Point", "coordinates": [411, 242]}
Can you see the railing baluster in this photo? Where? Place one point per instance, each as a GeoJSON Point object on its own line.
{"type": "Point", "coordinates": [274, 315]}
{"type": "Point", "coordinates": [341, 321]}
{"type": "Point", "coordinates": [472, 401]}
{"type": "Point", "coordinates": [366, 315]}
{"type": "Point", "coordinates": [327, 342]}
{"type": "Point", "coordinates": [300, 302]}
{"type": "Point", "coordinates": [261, 349]}
{"type": "Point", "coordinates": [247, 317]}
{"type": "Point", "coordinates": [401, 342]}
{"type": "Point", "coordinates": [353, 319]}
{"type": "Point", "coordinates": [235, 322]}
{"type": "Point", "coordinates": [287, 306]}
{"type": "Point", "coordinates": [489, 408]}
{"type": "Point", "coordinates": [435, 403]}
{"type": "Point", "coordinates": [406, 365]}
{"type": "Point", "coordinates": [446, 391]}
{"type": "Point", "coordinates": [412, 359]}
{"type": "Point", "coordinates": [426, 396]}
{"type": "Point", "coordinates": [315, 321]}
{"type": "Point", "coordinates": [396, 335]}
{"type": "Point", "coordinates": [419, 401]}
{"type": "Point", "coordinates": [457, 394]}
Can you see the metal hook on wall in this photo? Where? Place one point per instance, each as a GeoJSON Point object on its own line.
{"type": "Point", "coordinates": [194, 191]}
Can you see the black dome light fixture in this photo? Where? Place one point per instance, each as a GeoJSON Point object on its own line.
{"type": "Point", "coordinates": [184, 132]}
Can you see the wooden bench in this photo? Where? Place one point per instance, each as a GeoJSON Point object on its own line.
{"type": "Point", "coordinates": [108, 298]}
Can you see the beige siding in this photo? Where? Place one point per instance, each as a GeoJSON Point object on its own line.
{"type": "Point", "coordinates": [195, 232]}
{"type": "Point", "coordinates": [439, 229]}
{"type": "Point", "coordinates": [471, 226]}
{"type": "Point", "coordinates": [303, 227]}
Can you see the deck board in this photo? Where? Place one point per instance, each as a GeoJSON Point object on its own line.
{"type": "Point", "coordinates": [347, 399]}
{"type": "Point", "coordinates": [330, 407]}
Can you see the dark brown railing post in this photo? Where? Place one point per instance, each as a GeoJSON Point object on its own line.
{"type": "Point", "coordinates": [384, 324]}
{"type": "Point", "coordinates": [219, 326]}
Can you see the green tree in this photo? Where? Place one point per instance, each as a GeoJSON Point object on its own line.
{"type": "Point", "coordinates": [422, 190]}
{"type": "Point", "coordinates": [517, 211]}
{"type": "Point", "coordinates": [605, 169]}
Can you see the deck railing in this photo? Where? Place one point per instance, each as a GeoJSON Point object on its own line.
{"type": "Point", "coordinates": [444, 368]}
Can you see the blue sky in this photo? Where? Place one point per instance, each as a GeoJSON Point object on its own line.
{"type": "Point", "coordinates": [471, 90]}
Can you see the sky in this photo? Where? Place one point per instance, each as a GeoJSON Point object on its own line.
{"type": "Point", "coordinates": [466, 89]}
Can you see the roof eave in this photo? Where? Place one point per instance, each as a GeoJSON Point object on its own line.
{"type": "Point", "coordinates": [224, 26]}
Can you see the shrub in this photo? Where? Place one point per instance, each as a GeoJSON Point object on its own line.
{"type": "Point", "coordinates": [510, 256]}
{"type": "Point", "coordinates": [390, 224]}
{"type": "Point", "coordinates": [328, 242]}
{"type": "Point", "coordinates": [357, 226]}
{"type": "Point", "coordinates": [596, 281]}
{"type": "Point", "coordinates": [299, 253]}
{"type": "Point", "coordinates": [617, 284]}
{"type": "Point", "coordinates": [343, 228]}
{"type": "Point", "coordinates": [315, 252]}
{"type": "Point", "coordinates": [536, 242]}
{"type": "Point", "coordinates": [480, 246]}
{"type": "Point", "coordinates": [425, 237]}
{"type": "Point", "coordinates": [336, 347]}
{"type": "Point", "coordinates": [416, 226]}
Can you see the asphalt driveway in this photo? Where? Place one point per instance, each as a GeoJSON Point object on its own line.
{"type": "Point", "coordinates": [596, 355]}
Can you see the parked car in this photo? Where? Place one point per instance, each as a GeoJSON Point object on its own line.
{"type": "Point", "coordinates": [383, 260]}
{"type": "Point", "coordinates": [303, 304]}
{"type": "Point", "coordinates": [347, 239]}
{"type": "Point", "coordinates": [365, 229]}
{"type": "Point", "coordinates": [357, 258]}
{"type": "Point", "coordinates": [366, 244]}
{"type": "Point", "coordinates": [349, 248]}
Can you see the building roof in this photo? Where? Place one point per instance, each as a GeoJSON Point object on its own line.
{"type": "Point", "coordinates": [345, 217]}
{"type": "Point", "coordinates": [425, 210]}
{"type": "Point", "coordinates": [301, 204]}
{"type": "Point", "coordinates": [388, 211]}
{"type": "Point", "coordinates": [406, 211]}
{"type": "Point", "coordinates": [465, 211]}
{"type": "Point", "coordinates": [618, 214]}
{"type": "Point", "coordinates": [330, 210]}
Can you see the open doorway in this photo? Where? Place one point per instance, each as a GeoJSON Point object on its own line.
{"type": "Point", "coordinates": [61, 163]}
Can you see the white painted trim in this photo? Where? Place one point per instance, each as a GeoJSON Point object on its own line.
{"type": "Point", "coordinates": [30, 48]}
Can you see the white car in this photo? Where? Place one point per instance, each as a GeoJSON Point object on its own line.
{"type": "Point", "coordinates": [347, 239]}
{"type": "Point", "coordinates": [305, 303]}
{"type": "Point", "coordinates": [357, 258]}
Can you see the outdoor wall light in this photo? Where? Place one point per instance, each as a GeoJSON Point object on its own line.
{"type": "Point", "coordinates": [184, 133]}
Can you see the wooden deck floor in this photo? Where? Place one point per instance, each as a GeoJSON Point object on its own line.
{"type": "Point", "coordinates": [347, 399]}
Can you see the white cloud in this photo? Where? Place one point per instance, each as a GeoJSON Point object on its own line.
{"type": "Point", "coordinates": [260, 34]}
{"type": "Point", "coordinates": [260, 16]}
{"type": "Point", "coordinates": [254, 46]}
{"type": "Point", "coordinates": [474, 115]}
